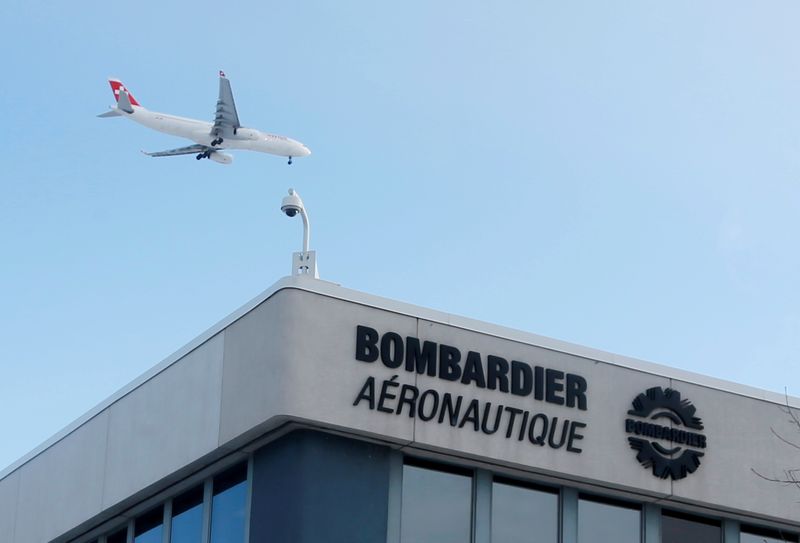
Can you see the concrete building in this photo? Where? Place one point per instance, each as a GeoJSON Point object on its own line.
{"type": "Point", "coordinates": [320, 414]}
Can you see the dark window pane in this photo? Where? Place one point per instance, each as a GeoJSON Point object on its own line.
{"type": "Point", "coordinates": [608, 522]}
{"type": "Point", "coordinates": [751, 534]}
{"type": "Point", "coordinates": [436, 506]}
{"type": "Point", "coordinates": [229, 478]}
{"type": "Point", "coordinates": [521, 514]}
{"type": "Point", "coordinates": [228, 506]}
{"type": "Point", "coordinates": [148, 528]}
{"type": "Point", "coordinates": [187, 517]}
{"type": "Point", "coordinates": [120, 536]}
{"type": "Point", "coordinates": [681, 528]}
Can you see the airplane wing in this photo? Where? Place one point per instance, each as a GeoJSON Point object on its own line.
{"type": "Point", "coordinates": [226, 120]}
{"type": "Point", "coordinates": [190, 150]}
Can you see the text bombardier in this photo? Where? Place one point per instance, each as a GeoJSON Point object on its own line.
{"type": "Point", "coordinates": [446, 362]}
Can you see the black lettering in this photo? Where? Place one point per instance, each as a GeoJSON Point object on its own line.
{"type": "Point", "coordinates": [420, 360]}
{"type": "Point", "coordinates": [553, 386]}
{"type": "Point", "coordinates": [538, 379]}
{"type": "Point", "coordinates": [430, 393]}
{"type": "Point", "coordinates": [538, 438]}
{"type": "Point", "coordinates": [497, 370]}
{"type": "Point", "coordinates": [408, 395]}
{"type": "Point", "coordinates": [392, 350]}
{"type": "Point", "coordinates": [366, 344]}
{"type": "Point", "coordinates": [451, 410]}
{"type": "Point", "coordinates": [628, 425]}
{"type": "Point", "coordinates": [473, 370]}
{"type": "Point", "coordinates": [550, 438]}
{"type": "Point", "coordinates": [367, 393]}
{"type": "Point", "coordinates": [576, 391]}
{"type": "Point", "coordinates": [512, 414]}
{"type": "Point", "coordinates": [524, 425]}
{"type": "Point", "coordinates": [449, 357]}
{"type": "Point", "coordinates": [521, 378]}
{"type": "Point", "coordinates": [498, 412]}
{"type": "Point", "coordinates": [574, 436]}
{"type": "Point", "coordinates": [386, 395]}
{"type": "Point", "coordinates": [471, 415]}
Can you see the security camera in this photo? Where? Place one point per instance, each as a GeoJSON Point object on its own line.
{"type": "Point", "coordinates": [304, 263]}
{"type": "Point", "coordinates": [292, 204]}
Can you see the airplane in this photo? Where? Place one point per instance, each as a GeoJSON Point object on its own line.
{"type": "Point", "coordinates": [210, 138]}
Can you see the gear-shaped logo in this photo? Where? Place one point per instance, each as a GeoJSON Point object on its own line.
{"type": "Point", "coordinates": [671, 449]}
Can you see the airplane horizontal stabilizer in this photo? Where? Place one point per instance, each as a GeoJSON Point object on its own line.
{"type": "Point", "coordinates": [111, 113]}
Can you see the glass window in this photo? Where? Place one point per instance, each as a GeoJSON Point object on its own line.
{"type": "Point", "coordinates": [523, 514]}
{"type": "Point", "coordinates": [149, 528]}
{"type": "Point", "coordinates": [751, 534]}
{"type": "Point", "coordinates": [681, 528]}
{"type": "Point", "coordinates": [608, 521]}
{"type": "Point", "coordinates": [437, 505]}
{"type": "Point", "coordinates": [120, 536]}
{"type": "Point", "coordinates": [187, 517]}
{"type": "Point", "coordinates": [228, 506]}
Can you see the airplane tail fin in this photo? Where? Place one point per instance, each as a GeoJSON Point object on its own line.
{"type": "Point", "coordinates": [118, 88]}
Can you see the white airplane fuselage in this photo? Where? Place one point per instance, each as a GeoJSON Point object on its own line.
{"type": "Point", "coordinates": [198, 131]}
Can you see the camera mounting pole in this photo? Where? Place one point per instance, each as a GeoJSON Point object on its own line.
{"type": "Point", "coordinates": [305, 262]}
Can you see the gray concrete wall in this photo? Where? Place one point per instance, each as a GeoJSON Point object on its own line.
{"type": "Point", "coordinates": [290, 356]}
{"type": "Point", "coordinates": [153, 431]}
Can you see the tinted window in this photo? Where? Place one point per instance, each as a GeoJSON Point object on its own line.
{"type": "Point", "coordinates": [523, 514]}
{"type": "Point", "coordinates": [680, 528]}
{"type": "Point", "coordinates": [120, 536]}
{"type": "Point", "coordinates": [149, 528]}
{"type": "Point", "coordinates": [608, 522]}
{"type": "Point", "coordinates": [760, 535]}
{"type": "Point", "coordinates": [228, 506]}
{"type": "Point", "coordinates": [436, 506]}
{"type": "Point", "coordinates": [187, 517]}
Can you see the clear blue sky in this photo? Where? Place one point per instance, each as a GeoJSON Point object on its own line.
{"type": "Point", "coordinates": [623, 175]}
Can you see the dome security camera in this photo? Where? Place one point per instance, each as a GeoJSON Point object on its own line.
{"type": "Point", "coordinates": [292, 204]}
{"type": "Point", "coordinates": [304, 263]}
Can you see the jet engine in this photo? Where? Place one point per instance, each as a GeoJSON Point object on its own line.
{"type": "Point", "coordinates": [222, 158]}
{"type": "Point", "coordinates": [246, 134]}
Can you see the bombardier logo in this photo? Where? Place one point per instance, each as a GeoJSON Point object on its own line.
{"type": "Point", "coordinates": [667, 443]}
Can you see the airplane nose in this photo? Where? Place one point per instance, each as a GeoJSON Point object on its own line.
{"type": "Point", "coordinates": [306, 151]}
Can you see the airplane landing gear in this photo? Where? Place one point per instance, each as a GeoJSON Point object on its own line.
{"type": "Point", "coordinates": [290, 160]}
{"type": "Point", "coordinates": [199, 156]}
{"type": "Point", "coordinates": [216, 142]}
{"type": "Point", "coordinates": [204, 154]}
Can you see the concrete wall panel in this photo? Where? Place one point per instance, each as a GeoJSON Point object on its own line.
{"type": "Point", "coordinates": [63, 486]}
{"type": "Point", "coordinates": [740, 440]}
{"type": "Point", "coordinates": [166, 423]}
{"type": "Point", "coordinates": [294, 356]}
{"type": "Point", "coordinates": [9, 496]}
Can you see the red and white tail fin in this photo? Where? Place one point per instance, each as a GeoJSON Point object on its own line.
{"type": "Point", "coordinates": [116, 86]}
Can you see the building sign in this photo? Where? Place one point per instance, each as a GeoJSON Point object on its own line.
{"type": "Point", "coordinates": [665, 433]}
{"type": "Point", "coordinates": [528, 390]}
